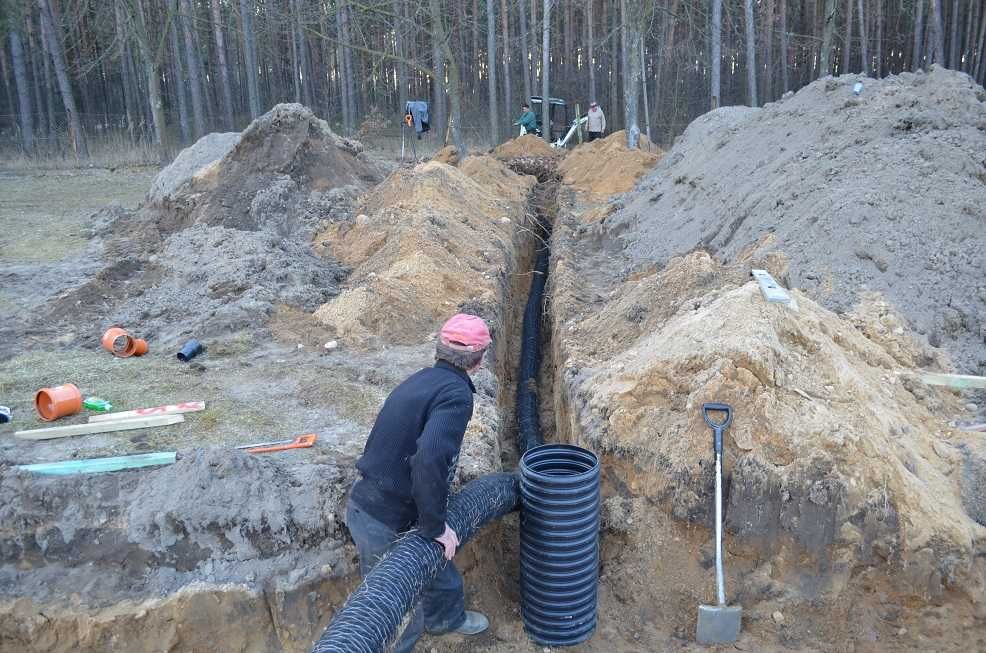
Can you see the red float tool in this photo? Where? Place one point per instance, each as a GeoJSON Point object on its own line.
{"type": "Point", "coordinates": [300, 442]}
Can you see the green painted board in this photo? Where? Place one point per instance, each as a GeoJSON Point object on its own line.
{"type": "Point", "coordinates": [97, 465]}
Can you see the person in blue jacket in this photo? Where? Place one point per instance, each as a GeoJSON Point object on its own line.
{"type": "Point", "coordinates": [406, 470]}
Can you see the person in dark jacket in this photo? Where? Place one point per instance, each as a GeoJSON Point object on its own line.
{"type": "Point", "coordinates": [407, 467]}
{"type": "Point", "coordinates": [528, 122]}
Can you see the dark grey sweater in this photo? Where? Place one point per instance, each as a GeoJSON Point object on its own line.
{"type": "Point", "coordinates": [410, 457]}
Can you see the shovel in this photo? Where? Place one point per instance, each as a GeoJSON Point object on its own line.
{"type": "Point", "coordinates": [720, 623]}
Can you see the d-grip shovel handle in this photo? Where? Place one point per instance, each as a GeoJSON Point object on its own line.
{"type": "Point", "coordinates": [717, 427]}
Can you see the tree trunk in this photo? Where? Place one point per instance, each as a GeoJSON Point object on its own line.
{"type": "Point", "coordinates": [751, 58]}
{"type": "Point", "coordinates": [624, 69]}
{"type": "Point", "coordinates": [350, 77]}
{"type": "Point", "coordinates": [340, 74]}
{"type": "Point", "coordinates": [181, 95]}
{"type": "Point", "coordinates": [828, 32]}
{"type": "Point", "coordinates": [878, 64]}
{"type": "Point", "coordinates": [5, 74]}
{"type": "Point", "coordinates": [864, 66]}
{"type": "Point", "coordinates": [64, 85]}
{"type": "Point", "coordinates": [917, 55]}
{"type": "Point", "coordinates": [508, 95]}
{"type": "Point", "coordinates": [591, 62]}
{"type": "Point", "coordinates": [443, 51]}
{"type": "Point", "coordinates": [785, 78]}
{"type": "Point", "coordinates": [938, 32]}
{"type": "Point", "coordinates": [250, 56]}
{"type": "Point", "coordinates": [191, 58]}
{"type": "Point", "coordinates": [41, 111]}
{"type": "Point", "coordinates": [151, 65]}
{"type": "Point", "coordinates": [631, 93]}
{"type": "Point", "coordinates": [545, 71]}
{"type": "Point", "coordinates": [493, 106]}
{"type": "Point", "coordinates": [24, 113]}
{"type": "Point", "coordinates": [525, 64]}
{"type": "Point", "coordinates": [716, 60]}
{"type": "Point", "coordinates": [614, 66]}
{"type": "Point", "coordinates": [953, 50]}
{"type": "Point", "coordinates": [128, 94]}
{"type": "Point", "coordinates": [767, 40]}
{"type": "Point", "coordinates": [643, 88]}
{"type": "Point", "coordinates": [307, 78]}
{"type": "Point", "coordinates": [296, 75]}
{"type": "Point", "coordinates": [217, 29]}
{"type": "Point", "coordinates": [401, 53]}
{"type": "Point", "coordinates": [847, 41]}
{"type": "Point", "coordinates": [980, 66]}
{"type": "Point", "coordinates": [968, 44]}
{"type": "Point", "coordinates": [438, 85]}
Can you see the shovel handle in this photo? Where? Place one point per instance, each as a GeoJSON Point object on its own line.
{"type": "Point", "coordinates": [717, 427]}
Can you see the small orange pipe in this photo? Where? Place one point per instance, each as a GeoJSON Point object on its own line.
{"type": "Point", "coordinates": [121, 344]}
{"type": "Point", "coordinates": [110, 338]}
{"type": "Point", "coordinates": [62, 400]}
{"type": "Point", "coordinates": [138, 347]}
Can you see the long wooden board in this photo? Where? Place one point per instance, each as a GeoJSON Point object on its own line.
{"type": "Point", "coordinates": [100, 427]}
{"type": "Point", "coordinates": [97, 465]}
{"type": "Point", "coordinates": [953, 380]}
{"type": "Point", "coordinates": [168, 409]}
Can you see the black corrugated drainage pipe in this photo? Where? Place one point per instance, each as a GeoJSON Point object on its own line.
{"type": "Point", "coordinates": [528, 414]}
{"type": "Point", "coordinates": [559, 543]}
{"type": "Point", "coordinates": [370, 619]}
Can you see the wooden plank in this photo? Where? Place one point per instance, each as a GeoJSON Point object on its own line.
{"type": "Point", "coordinates": [101, 427]}
{"type": "Point", "coordinates": [98, 465]}
{"type": "Point", "coordinates": [168, 409]}
{"type": "Point", "coordinates": [953, 380]}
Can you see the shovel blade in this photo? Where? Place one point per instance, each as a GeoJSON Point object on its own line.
{"type": "Point", "coordinates": [718, 624]}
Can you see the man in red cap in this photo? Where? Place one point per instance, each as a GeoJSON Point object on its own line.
{"type": "Point", "coordinates": [407, 467]}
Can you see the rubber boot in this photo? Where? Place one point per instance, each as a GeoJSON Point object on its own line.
{"type": "Point", "coordinates": [474, 624]}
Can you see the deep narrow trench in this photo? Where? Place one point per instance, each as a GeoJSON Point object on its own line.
{"type": "Point", "coordinates": [522, 366]}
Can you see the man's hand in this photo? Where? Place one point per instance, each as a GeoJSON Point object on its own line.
{"type": "Point", "coordinates": [449, 541]}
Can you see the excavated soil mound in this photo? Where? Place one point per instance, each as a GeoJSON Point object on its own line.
{"type": "Point", "coordinates": [884, 192]}
{"type": "Point", "coordinates": [843, 477]}
{"type": "Point", "coordinates": [225, 234]}
{"type": "Point", "coordinates": [429, 241]}
{"type": "Point", "coordinates": [120, 546]}
{"type": "Point", "coordinates": [605, 167]}
{"type": "Point", "coordinates": [527, 145]}
{"type": "Point", "coordinates": [447, 154]}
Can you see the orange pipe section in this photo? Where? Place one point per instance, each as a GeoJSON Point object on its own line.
{"type": "Point", "coordinates": [62, 400]}
{"type": "Point", "coordinates": [121, 344]}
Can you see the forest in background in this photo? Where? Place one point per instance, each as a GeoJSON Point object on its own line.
{"type": "Point", "coordinates": [158, 74]}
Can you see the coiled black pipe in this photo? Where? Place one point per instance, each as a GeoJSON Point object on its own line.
{"type": "Point", "coordinates": [559, 543]}
{"type": "Point", "coordinates": [529, 433]}
{"type": "Point", "coordinates": [373, 613]}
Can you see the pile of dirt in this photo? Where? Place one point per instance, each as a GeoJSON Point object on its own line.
{"type": "Point", "coordinates": [447, 154]}
{"type": "Point", "coordinates": [225, 234]}
{"type": "Point", "coordinates": [885, 191]}
{"type": "Point", "coordinates": [843, 476]}
{"type": "Point", "coordinates": [527, 145]}
{"type": "Point", "coordinates": [606, 167]}
{"type": "Point", "coordinates": [230, 531]}
{"type": "Point", "coordinates": [428, 241]}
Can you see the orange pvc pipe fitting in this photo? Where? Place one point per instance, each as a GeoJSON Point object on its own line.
{"type": "Point", "coordinates": [120, 343]}
{"type": "Point", "coordinates": [62, 400]}
{"type": "Point", "coordinates": [117, 341]}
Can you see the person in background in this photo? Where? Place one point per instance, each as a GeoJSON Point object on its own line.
{"type": "Point", "coordinates": [528, 121]}
{"type": "Point", "coordinates": [407, 467]}
{"type": "Point", "coordinates": [596, 124]}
